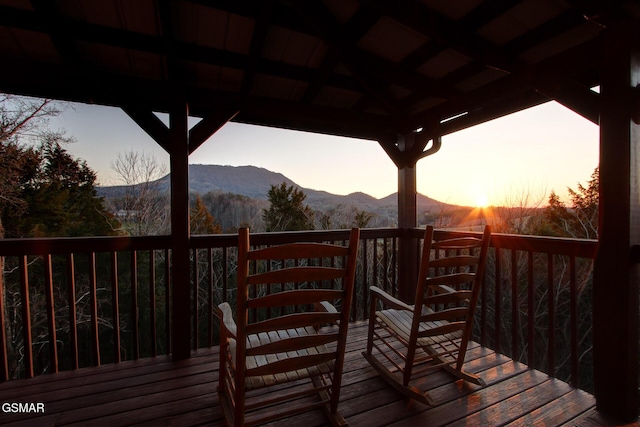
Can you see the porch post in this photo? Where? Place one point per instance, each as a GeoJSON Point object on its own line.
{"type": "Point", "coordinates": [407, 219]}
{"type": "Point", "coordinates": [180, 233]}
{"type": "Point", "coordinates": [616, 275]}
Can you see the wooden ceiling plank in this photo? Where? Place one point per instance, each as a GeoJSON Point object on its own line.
{"type": "Point", "coordinates": [257, 44]}
{"type": "Point", "coordinates": [331, 33]}
{"type": "Point", "coordinates": [358, 24]}
{"type": "Point", "coordinates": [58, 32]}
{"type": "Point", "coordinates": [552, 28]}
{"type": "Point", "coordinates": [447, 32]}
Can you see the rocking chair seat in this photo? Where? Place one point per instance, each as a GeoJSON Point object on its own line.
{"type": "Point", "coordinates": [400, 322]}
{"type": "Point", "coordinates": [260, 364]}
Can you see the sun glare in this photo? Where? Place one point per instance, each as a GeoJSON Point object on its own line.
{"type": "Point", "coordinates": [482, 201]}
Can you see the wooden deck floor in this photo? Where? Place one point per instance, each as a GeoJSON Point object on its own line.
{"type": "Point", "coordinates": [159, 392]}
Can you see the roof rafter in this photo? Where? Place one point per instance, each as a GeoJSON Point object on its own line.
{"type": "Point", "coordinates": [333, 35]}
{"type": "Point", "coordinates": [555, 69]}
{"type": "Point", "coordinates": [257, 44]}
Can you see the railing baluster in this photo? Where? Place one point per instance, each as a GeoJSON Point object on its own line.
{"type": "Point", "coordinates": [531, 324]}
{"type": "Point", "coordinates": [73, 324]}
{"type": "Point", "coordinates": [515, 304]}
{"type": "Point", "coordinates": [210, 268]}
{"type": "Point", "coordinates": [375, 263]}
{"type": "Point", "coordinates": [167, 300]}
{"type": "Point", "coordinates": [134, 305]}
{"type": "Point", "coordinates": [225, 274]}
{"type": "Point", "coordinates": [26, 317]}
{"type": "Point", "coordinates": [385, 266]}
{"type": "Point", "coordinates": [4, 360]}
{"type": "Point", "coordinates": [51, 317]}
{"type": "Point", "coordinates": [93, 291]}
{"type": "Point", "coordinates": [498, 301]}
{"type": "Point", "coordinates": [115, 307]}
{"type": "Point", "coordinates": [365, 277]}
{"type": "Point", "coordinates": [394, 267]}
{"type": "Point", "coordinates": [196, 295]}
{"type": "Point", "coordinates": [574, 321]}
{"type": "Point", "coordinates": [551, 309]}
{"type": "Point", "coordinates": [483, 312]}
{"type": "Point", "coordinates": [152, 303]}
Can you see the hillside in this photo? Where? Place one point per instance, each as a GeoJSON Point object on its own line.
{"type": "Point", "coordinates": [255, 182]}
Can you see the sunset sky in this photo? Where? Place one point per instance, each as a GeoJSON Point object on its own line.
{"type": "Point", "coordinates": [525, 154]}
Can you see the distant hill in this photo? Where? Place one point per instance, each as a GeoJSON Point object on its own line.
{"type": "Point", "coordinates": [255, 182]}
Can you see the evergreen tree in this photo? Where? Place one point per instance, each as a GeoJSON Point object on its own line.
{"type": "Point", "coordinates": [580, 219]}
{"type": "Point", "coordinates": [21, 118]}
{"type": "Point", "coordinates": [201, 220]}
{"type": "Point", "coordinates": [56, 193]}
{"type": "Point", "coordinates": [287, 211]}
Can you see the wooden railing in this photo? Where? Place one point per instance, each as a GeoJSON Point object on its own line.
{"type": "Point", "coordinates": [70, 303]}
{"type": "Point", "coordinates": [536, 304]}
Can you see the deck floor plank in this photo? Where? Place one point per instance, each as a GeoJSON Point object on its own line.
{"type": "Point", "coordinates": [160, 392]}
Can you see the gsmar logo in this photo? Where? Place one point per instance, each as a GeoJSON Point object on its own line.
{"type": "Point", "coordinates": [18, 407]}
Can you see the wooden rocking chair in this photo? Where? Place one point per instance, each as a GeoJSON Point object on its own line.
{"type": "Point", "coordinates": [405, 341]}
{"type": "Point", "coordinates": [285, 294]}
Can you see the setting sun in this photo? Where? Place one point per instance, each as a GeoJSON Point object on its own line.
{"type": "Point", "coordinates": [482, 201]}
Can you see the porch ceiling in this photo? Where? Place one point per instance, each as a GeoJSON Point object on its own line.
{"type": "Point", "coordinates": [348, 67]}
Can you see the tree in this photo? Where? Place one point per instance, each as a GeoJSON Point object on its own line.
{"type": "Point", "coordinates": [143, 209]}
{"type": "Point", "coordinates": [21, 119]}
{"type": "Point", "coordinates": [287, 211]}
{"type": "Point", "coordinates": [201, 220]}
{"type": "Point", "coordinates": [580, 220]}
{"type": "Point", "coordinates": [59, 193]}
{"type": "Point", "coordinates": [233, 211]}
{"type": "Point", "coordinates": [345, 217]}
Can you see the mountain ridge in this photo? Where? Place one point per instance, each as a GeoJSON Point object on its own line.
{"type": "Point", "coordinates": [255, 182]}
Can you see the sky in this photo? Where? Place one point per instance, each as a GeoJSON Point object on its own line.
{"type": "Point", "coordinates": [525, 155]}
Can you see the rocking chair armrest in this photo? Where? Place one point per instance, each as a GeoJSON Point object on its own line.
{"type": "Point", "coordinates": [377, 293]}
{"type": "Point", "coordinates": [226, 319]}
{"type": "Point", "coordinates": [325, 306]}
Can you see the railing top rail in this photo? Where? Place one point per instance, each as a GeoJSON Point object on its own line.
{"type": "Point", "coordinates": [35, 246]}
{"type": "Point", "coordinates": [231, 240]}
{"type": "Point", "coordinates": [63, 245]}
{"type": "Point", "coordinates": [582, 248]}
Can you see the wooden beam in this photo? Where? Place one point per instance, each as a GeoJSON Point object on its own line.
{"type": "Point", "coordinates": [407, 219]}
{"type": "Point", "coordinates": [150, 123]}
{"type": "Point", "coordinates": [579, 99]}
{"type": "Point", "coordinates": [616, 276]}
{"type": "Point", "coordinates": [180, 230]}
{"type": "Point", "coordinates": [525, 99]}
{"type": "Point", "coordinates": [555, 69]}
{"type": "Point", "coordinates": [207, 127]}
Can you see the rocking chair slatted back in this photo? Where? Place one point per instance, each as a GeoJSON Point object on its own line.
{"type": "Point", "coordinates": [286, 297]}
{"type": "Point", "coordinates": [435, 331]}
